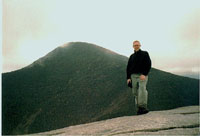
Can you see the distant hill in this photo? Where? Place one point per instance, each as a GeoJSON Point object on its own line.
{"type": "Point", "coordinates": [189, 74]}
{"type": "Point", "coordinates": [79, 83]}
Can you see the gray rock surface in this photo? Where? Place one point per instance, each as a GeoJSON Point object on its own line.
{"type": "Point", "coordinates": [179, 121]}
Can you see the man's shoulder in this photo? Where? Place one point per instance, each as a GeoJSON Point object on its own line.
{"type": "Point", "coordinates": [131, 55]}
{"type": "Point", "coordinates": [144, 51]}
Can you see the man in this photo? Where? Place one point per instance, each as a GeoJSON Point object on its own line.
{"type": "Point", "coordinates": [138, 67]}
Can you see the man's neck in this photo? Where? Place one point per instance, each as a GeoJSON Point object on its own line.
{"type": "Point", "coordinates": [136, 50]}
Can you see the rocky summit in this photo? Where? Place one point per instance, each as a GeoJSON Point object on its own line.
{"type": "Point", "coordinates": [178, 121]}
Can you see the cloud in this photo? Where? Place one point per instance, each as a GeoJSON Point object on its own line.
{"type": "Point", "coordinates": [187, 33]}
{"type": "Point", "coordinates": [32, 28]}
{"type": "Point", "coordinates": [21, 20]}
{"type": "Point", "coordinates": [24, 32]}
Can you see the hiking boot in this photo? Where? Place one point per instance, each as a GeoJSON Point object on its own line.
{"type": "Point", "coordinates": [139, 111]}
{"type": "Point", "coordinates": [142, 110]}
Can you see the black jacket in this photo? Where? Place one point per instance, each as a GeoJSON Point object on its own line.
{"type": "Point", "coordinates": [139, 62]}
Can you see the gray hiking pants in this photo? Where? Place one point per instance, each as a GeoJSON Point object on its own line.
{"type": "Point", "coordinates": [139, 90]}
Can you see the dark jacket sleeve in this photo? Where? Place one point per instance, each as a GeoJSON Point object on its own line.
{"type": "Point", "coordinates": [147, 64]}
{"type": "Point", "coordinates": [128, 72]}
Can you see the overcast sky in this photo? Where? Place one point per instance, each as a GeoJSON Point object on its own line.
{"type": "Point", "coordinates": [168, 29]}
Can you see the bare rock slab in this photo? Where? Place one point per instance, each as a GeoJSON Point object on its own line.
{"type": "Point", "coordinates": [179, 121]}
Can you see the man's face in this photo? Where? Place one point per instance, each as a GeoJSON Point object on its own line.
{"type": "Point", "coordinates": [136, 45]}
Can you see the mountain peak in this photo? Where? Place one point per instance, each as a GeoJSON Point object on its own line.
{"type": "Point", "coordinates": [86, 45]}
{"type": "Point", "coordinates": [76, 49]}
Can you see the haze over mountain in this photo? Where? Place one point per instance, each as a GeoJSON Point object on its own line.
{"type": "Point", "coordinates": [79, 83]}
{"type": "Point", "coordinates": [189, 74]}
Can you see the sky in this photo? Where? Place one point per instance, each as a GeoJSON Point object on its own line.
{"type": "Point", "coordinates": [168, 29]}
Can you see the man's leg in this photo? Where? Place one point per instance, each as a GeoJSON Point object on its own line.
{"type": "Point", "coordinates": [142, 93]}
{"type": "Point", "coordinates": [135, 86]}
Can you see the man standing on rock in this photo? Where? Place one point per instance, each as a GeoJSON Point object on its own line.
{"type": "Point", "coordinates": [138, 67]}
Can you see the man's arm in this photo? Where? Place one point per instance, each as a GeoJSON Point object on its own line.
{"type": "Point", "coordinates": [128, 72]}
{"type": "Point", "coordinates": [147, 64]}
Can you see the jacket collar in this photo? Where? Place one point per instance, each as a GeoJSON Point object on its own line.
{"type": "Point", "coordinates": [137, 51]}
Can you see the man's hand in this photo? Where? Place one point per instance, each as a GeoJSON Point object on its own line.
{"type": "Point", "coordinates": [142, 77]}
{"type": "Point", "coordinates": [128, 80]}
